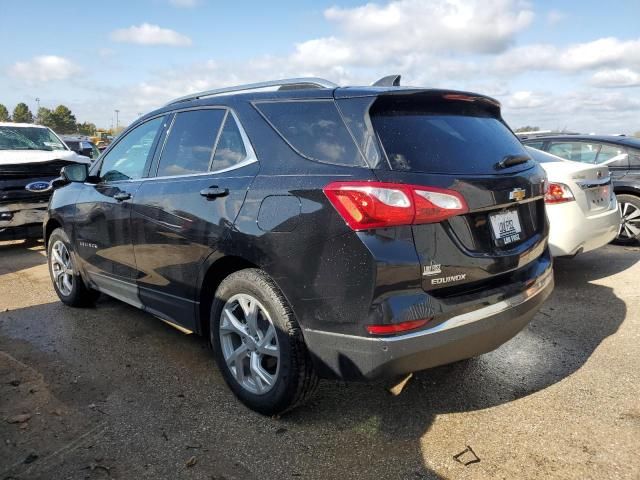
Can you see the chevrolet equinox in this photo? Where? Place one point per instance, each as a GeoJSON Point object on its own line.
{"type": "Point", "coordinates": [312, 231]}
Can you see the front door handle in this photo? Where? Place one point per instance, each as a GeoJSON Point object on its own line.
{"type": "Point", "coordinates": [122, 196]}
{"type": "Point", "coordinates": [214, 192]}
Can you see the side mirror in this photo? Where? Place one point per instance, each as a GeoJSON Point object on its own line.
{"type": "Point", "coordinates": [78, 172]}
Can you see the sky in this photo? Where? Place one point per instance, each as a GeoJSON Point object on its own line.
{"type": "Point", "coordinates": [552, 64]}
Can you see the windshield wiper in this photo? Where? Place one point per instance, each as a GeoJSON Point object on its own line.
{"type": "Point", "coordinates": [512, 160]}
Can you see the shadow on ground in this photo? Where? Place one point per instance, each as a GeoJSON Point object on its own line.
{"type": "Point", "coordinates": [147, 399]}
{"type": "Point", "coordinates": [20, 255]}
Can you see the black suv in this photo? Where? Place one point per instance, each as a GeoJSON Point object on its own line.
{"type": "Point", "coordinates": [311, 231]}
{"type": "Point", "coordinates": [621, 154]}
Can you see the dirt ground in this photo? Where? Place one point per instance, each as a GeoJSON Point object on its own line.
{"type": "Point", "coordinates": [111, 392]}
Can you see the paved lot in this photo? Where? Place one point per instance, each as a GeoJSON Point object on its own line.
{"type": "Point", "coordinates": [113, 392]}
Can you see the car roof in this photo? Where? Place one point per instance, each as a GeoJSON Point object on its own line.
{"type": "Point", "coordinates": [20, 125]}
{"type": "Point", "coordinates": [301, 93]}
{"type": "Point", "coordinates": [618, 139]}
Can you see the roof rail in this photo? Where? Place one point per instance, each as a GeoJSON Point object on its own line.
{"type": "Point", "coordinates": [312, 82]}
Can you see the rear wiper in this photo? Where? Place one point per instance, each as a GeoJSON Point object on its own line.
{"type": "Point", "coordinates": [511, 160]}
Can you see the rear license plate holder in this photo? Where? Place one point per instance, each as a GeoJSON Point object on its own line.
{"type": "Point", "coordinates": [505, 227]}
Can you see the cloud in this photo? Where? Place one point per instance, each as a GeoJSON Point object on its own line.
{"type": "Point", "coordinates": [44, 68]}
{"type": "Point", "coordinates": [147, 34]}
{"type": "Point", "coordinates": [614, 78]}
{"type": "Point", "coordinates": [184, 3]}
{"type": "Point", "coordinates": [373, 34]}
{"type": "Point", "coordinates": [603, 52]}
{"type": "Point", "coordinates": [527, 99]}
{"type": "Point", "coordinates": [555, 16]}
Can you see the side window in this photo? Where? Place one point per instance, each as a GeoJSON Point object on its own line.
{"type": "Point", "coordinates": [634, 158]}
{"type": "Point", "coordinates": [537, 145]}
{"type": "Point", "coordinates": [613, 155]}
{"type": "Point", "coordinates": [127, 159]}
{"type": "Point", "coordinates": [315, 129]}
{"type": "Point", "coordinates": [192, 138]}
{"type": "Point", "coordinates": [230, 149]}
{"type": "Point", "coordinates": [577, 151]}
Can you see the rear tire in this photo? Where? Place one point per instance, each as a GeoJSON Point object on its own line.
{"type": "Point", "coordinates": [629, 231]}
{"type": "Point", "coordinates": [258, 344]}
{"type": "Point", "coordinates": [66, 279]}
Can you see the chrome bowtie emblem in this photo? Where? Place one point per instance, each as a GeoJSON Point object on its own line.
{"type": "Point", "coordinates": [517, 194]}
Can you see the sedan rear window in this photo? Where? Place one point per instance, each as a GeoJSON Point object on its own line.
{"type": "Point", "coordinates": [440, 137]}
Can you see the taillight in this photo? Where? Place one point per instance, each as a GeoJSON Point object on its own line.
{"type": "Point", "coordinates": [365, 205]}
{"type": "Point", "coordinates": [392, 328]}
{"type": "Point", "coordinates": [558, 193]}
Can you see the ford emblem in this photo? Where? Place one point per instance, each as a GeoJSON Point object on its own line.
{"type": "Point", "coordinates": [38, 187]}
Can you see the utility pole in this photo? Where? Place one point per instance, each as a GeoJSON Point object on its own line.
{"type": "Point", "coordinates": [38, 110]}
{"type": "Point", "coordinates": [117, 123]}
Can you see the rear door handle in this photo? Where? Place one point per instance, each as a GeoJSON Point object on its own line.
{"type": "Point", "coordinates": [214, 192]}
{"type": "Point", "coordinates": [122, 196]}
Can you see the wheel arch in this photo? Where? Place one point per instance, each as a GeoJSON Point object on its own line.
{"type": "Point", "coordinates": [50, 226]}
{"type": "Point", "coordinates": [626, 190]}
{"type": "Point", "coordinates": [212, 275]}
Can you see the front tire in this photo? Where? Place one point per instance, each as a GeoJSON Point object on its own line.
{"type": "Point", "coordinates": [258, 344]}
{"type": "Point", "coordinates": [67, 282]}
{"type": "Point", "coordinates": [629, 231]}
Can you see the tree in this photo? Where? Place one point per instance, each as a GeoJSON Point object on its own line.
{"type": "Point", "coordinates": [637, 134]}
{"type": "Point", "coordinates": [22, 114]}
{"type": "Point", "coordinates": [527, 129]}
{"type": "Point", "coordinates": [65, 120]}
{"type": "Point", "coordinates": [4, 114]}
{"type": "Point", "coordinates": [45, 117]}
{"type": "Point", "coordinates": [86, 128]}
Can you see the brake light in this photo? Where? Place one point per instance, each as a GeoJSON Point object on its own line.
{"type": "Point", "coordinates": [396, 327]}
{"type": "Point", "coordinates": [365, 205]}
{"type": "Point", "coordinates": [558, 193]}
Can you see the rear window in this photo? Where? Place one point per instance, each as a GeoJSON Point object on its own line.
{"type": "Point", "coordinates": [440, 137]}
{"type": "Point", "coordinates": [315, 129]}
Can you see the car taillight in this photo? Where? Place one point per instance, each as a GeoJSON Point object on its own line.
{"type": "Point", "coordinates": [365, 205]}
{"type": "Point", "coordinates": [558, 193]}
{"type": "Point", "coordinates": [392, 328]}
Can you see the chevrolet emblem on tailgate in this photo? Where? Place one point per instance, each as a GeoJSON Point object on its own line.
{"type": "Point", "coordinates": [517, 194]}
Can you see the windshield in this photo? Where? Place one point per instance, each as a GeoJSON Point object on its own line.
{"type": "Point", "coordinates": [29, 138]}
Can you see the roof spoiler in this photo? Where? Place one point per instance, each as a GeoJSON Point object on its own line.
{"type": "Point", "coordinates": [388, 81]}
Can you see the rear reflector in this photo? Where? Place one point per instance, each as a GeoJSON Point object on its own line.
{"type": "Point", "coordinates": [558, 193]}
{"type": "Point", "coordinates": [365, 205]}
{"type": "Point", "coordinates": [396, 327]}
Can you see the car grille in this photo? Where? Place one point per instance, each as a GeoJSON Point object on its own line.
{"type": "Point", "coordinates": [33, 170]}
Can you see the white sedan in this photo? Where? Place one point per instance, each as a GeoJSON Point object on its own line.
{"type": "Point", "coordinates": [581, 206]}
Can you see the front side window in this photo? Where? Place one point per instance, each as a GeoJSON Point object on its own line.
{"type": "Point", "coordinates": [584, 152]}
{"type": "Point", "coordinates": [127, 159]}
{"type": "Point", "coordinates": [315, 129]}
{"type": "Point", "coordinates": [192, 138]}
{"type": "Point", "coordinates": [29, 138]}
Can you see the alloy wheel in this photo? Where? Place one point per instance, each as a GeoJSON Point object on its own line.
{"type": "Point", "coordinates": [249, 343]}
{"type": "Point", "coordinates": [629, 221]}
{"type": "Point", "coordinates": [62, 268]}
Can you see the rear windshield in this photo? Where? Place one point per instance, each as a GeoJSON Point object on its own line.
{"type": "Point", "coordinates": [451, 137]}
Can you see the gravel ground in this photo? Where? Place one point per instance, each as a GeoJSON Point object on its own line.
{"type": "Point", "coordinates": [111, 392]}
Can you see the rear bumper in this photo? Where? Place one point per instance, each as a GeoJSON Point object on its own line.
{"type": "Point", "coordinates": [573, 232]}
{"type": "Point", "coordinates": [20, 220]}
{"type": "Point", "coordinates": [457, 338]}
